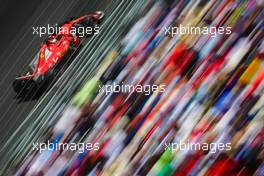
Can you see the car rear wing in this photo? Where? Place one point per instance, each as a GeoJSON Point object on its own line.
{"type": "Point", "coordinates": [26, 77]}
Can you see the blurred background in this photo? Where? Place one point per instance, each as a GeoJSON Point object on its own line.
{"type": "Point", "coordinates": [214, 91]}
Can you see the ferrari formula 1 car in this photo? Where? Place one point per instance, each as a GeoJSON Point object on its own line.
{"type": "Point", "coordinates": [55, 52]}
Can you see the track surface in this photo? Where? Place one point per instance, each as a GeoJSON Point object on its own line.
{"type": "Point", "coordinates": [19, 46]}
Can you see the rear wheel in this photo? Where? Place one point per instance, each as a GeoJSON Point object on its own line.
{"type": "Point", "coordinates": [24, 88]}
{"type": "Point", "coordinates": [18, 85]}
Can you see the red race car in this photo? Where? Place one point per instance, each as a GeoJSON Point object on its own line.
{"type": "Point", "coordinates": [56, 51]}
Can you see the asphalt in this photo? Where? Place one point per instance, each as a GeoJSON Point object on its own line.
{"type": "Point", "coordinates": [19, 45]}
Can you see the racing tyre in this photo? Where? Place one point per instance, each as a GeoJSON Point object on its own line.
{"type": "Point", "coordinates": [24, 87]}
{"type": "Point", "coordinates": [88, 22]}
{"type": "Point", "coordinates": [18, 85]}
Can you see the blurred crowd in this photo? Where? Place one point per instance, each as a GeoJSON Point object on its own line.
{"type": "Point", "coordinates": [213, 94]}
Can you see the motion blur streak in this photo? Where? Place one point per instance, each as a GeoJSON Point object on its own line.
{"type": "Point", "coordinates": [214, 96]}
